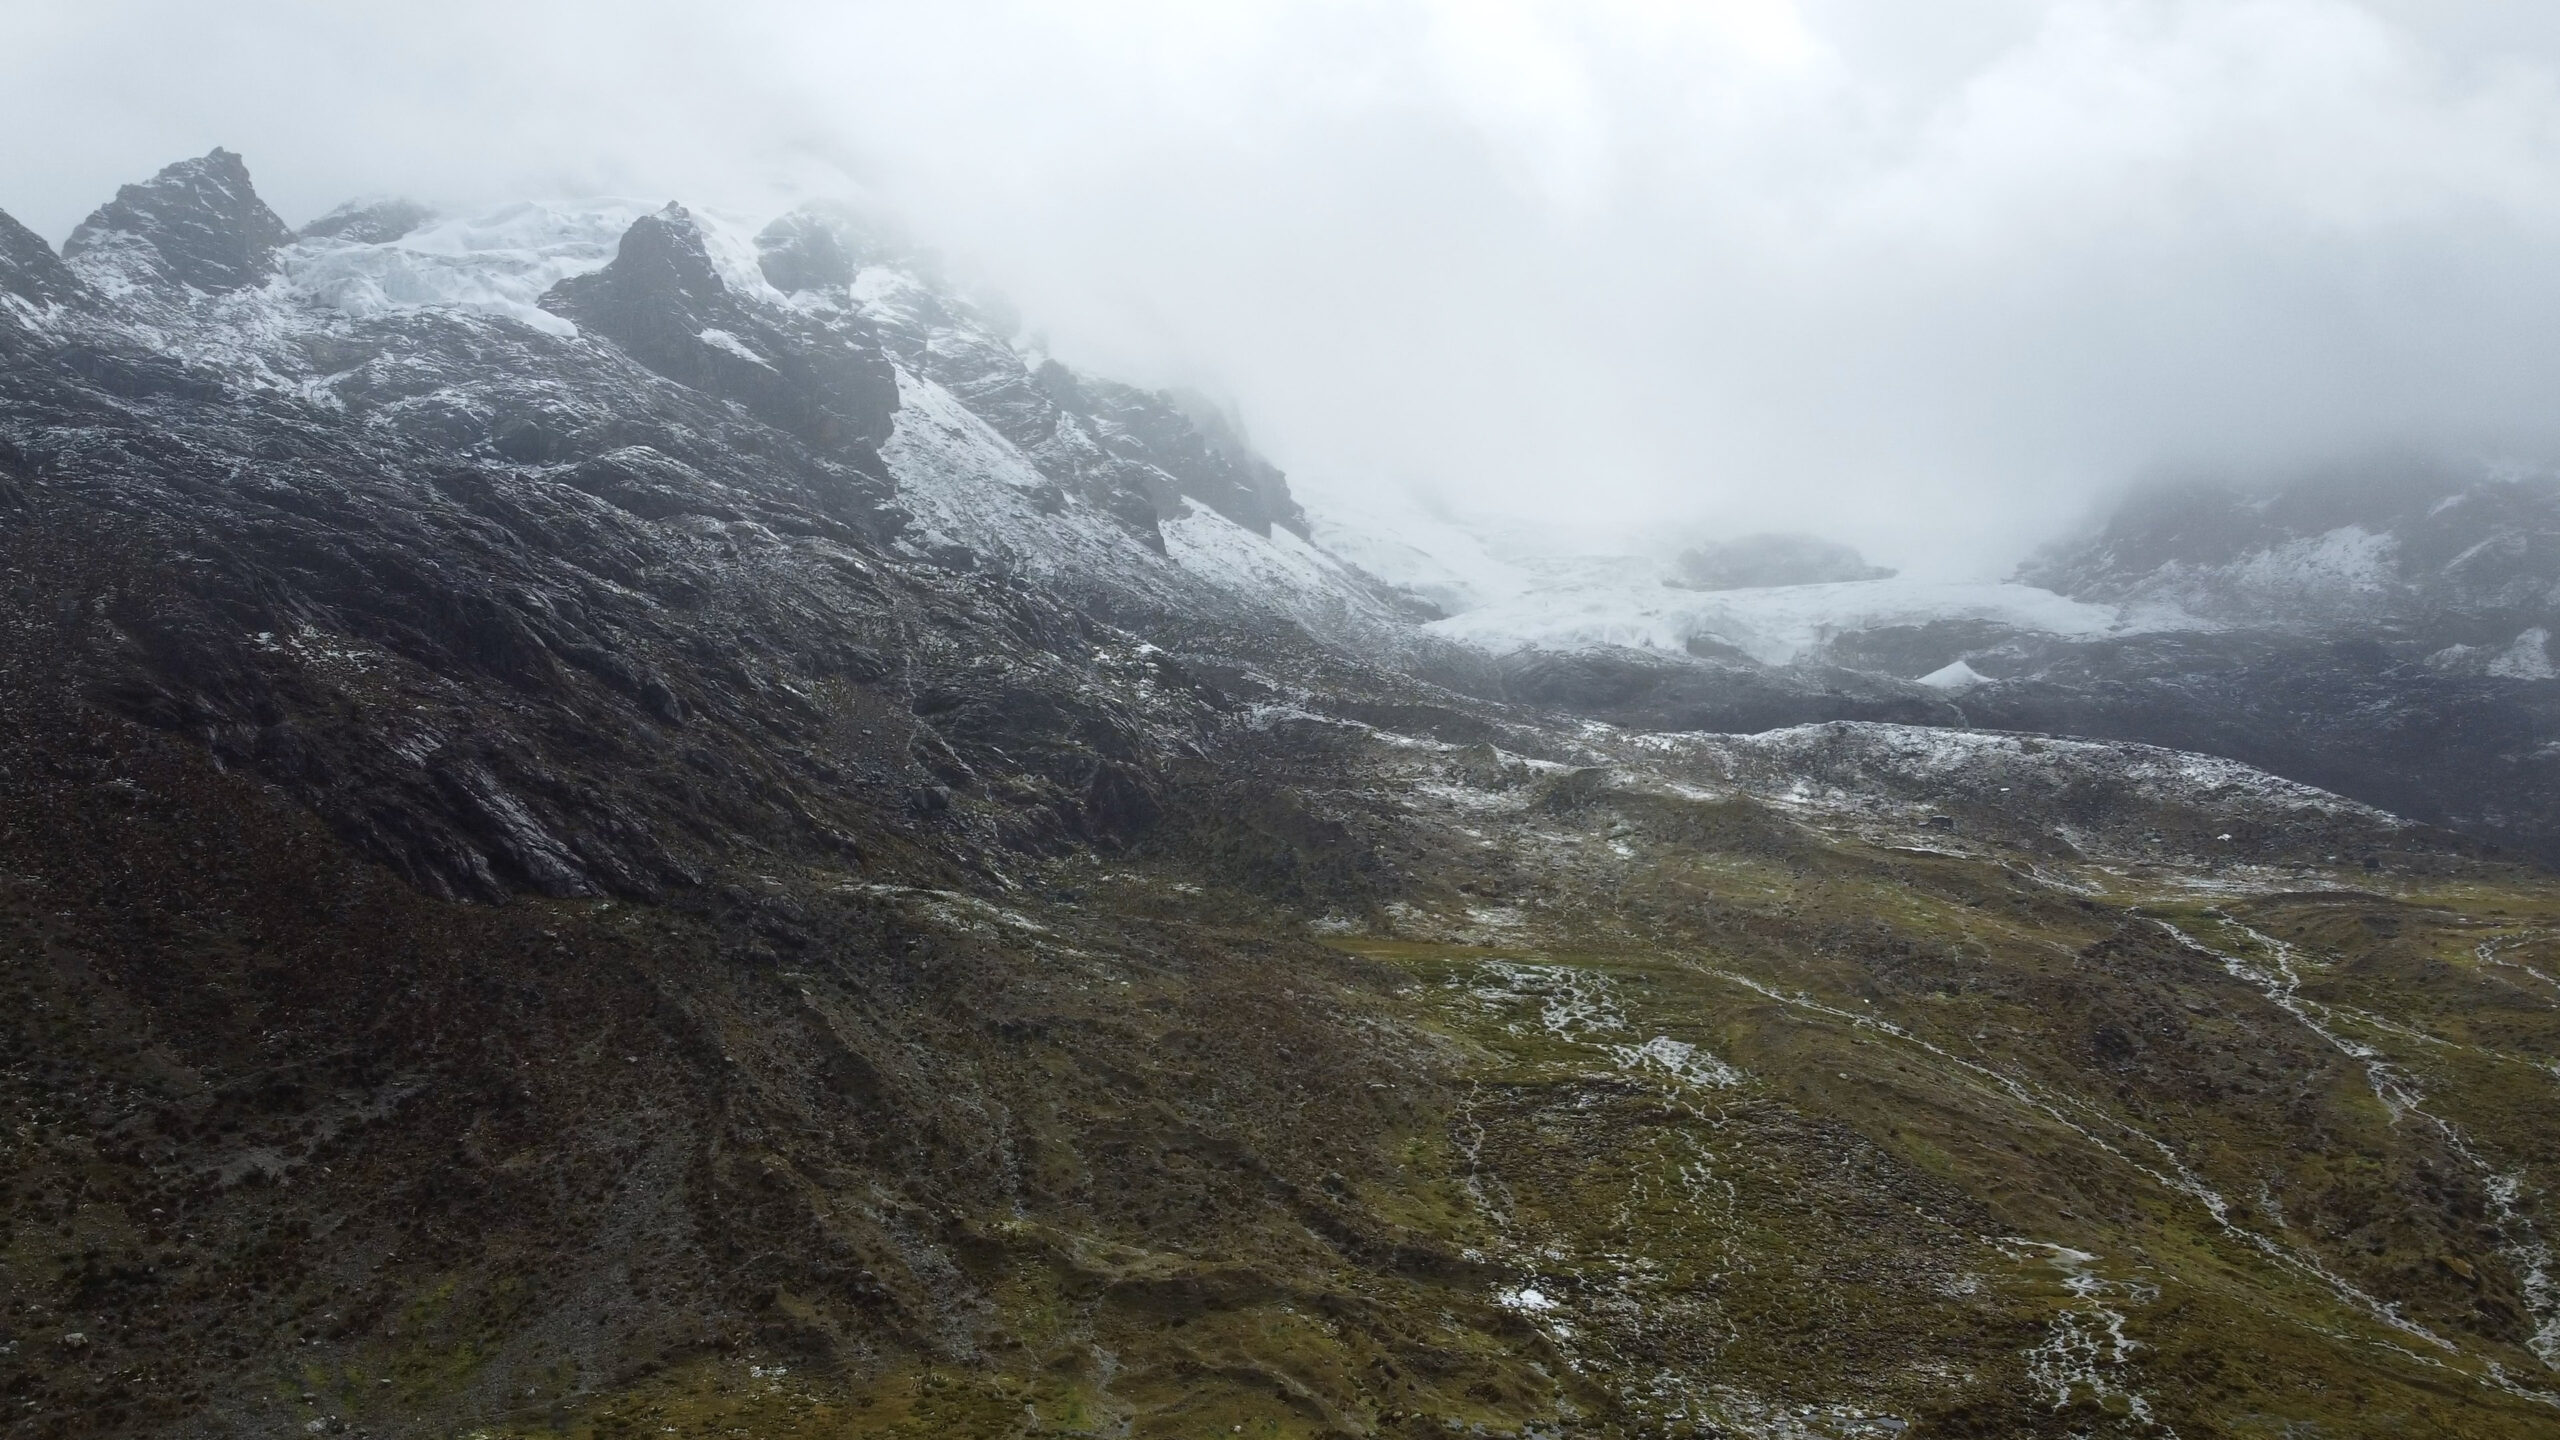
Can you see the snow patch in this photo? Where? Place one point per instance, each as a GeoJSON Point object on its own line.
{"type": "Point", "coordinates": [1285, 572]}
{"type": "Point", "coordinates": [2349, 558]}
{"type": "Point", "coordinates": [1846, 765]}
{"type": "Point", "coordinates": [1681, 1060]}
{"type": "Point", "coordinates": [1955, 675]}
{"type": "Point", "coordinates": [968, 485]}
{"type": "Point", "coordinates": [723, 340]}
{"type": "Point", "coordinates": [730, 241]}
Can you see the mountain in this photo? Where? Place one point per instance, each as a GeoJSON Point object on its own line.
{"type": "Point", "coordinates": [2405, 549]}
{"type": "Point", "coordinates": [196, 226]}
{"type": "Point", "coordinates": [2382, 631]}
{"type": "Point", "coordinates": [616, 823]}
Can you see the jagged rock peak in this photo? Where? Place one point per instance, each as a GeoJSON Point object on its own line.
{"type": "Point", "coordinates": [370, 220]}
{"type": "Point", "coordinates": [661, 290]}
{"type": "Point", "coordinates": [1172, 447]}
{"type": "Point", "coordinates": [668, 249]}
{"type": "Point", "coordinates": [28, 267]}
{"type": "Point", "coordinates": [198, 223]}
{"type": "Point", "coordinates": [701, 317]}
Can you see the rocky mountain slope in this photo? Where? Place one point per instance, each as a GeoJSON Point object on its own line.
{"type": "Point", "coordinates": [616, 825]}
{"type": "Point", "coordinates": [2384, 632]}
{"type": "Point", "coordinates": [2415, 551]}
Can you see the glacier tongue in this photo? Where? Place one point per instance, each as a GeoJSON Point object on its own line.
{"type": "Point", "coordinates": [1626, 603]}
{"type": "Point", "coordinates": [1507, 589]}
{"type": "Point", "coordinates": [497, 263]}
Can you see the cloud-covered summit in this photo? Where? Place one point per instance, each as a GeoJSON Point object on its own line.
{"type": "Point", "coordinates": [1925, 283]}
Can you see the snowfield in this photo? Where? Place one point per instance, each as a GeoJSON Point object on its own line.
{"type": "Point", "coordinates": [499, 262]}
{"type": "Point", "coordinates": [1507, 589]}
{"type": "Point", "coordinates": [1627, 604]}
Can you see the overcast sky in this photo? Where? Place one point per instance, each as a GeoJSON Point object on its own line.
{"type": "Point", "coordinates": [1930, 277]}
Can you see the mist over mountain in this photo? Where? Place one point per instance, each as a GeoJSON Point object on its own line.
{"type": "Point", "coordinates": [1924, 289]}
{"type": "Point", "coordinates": [1749, 719]}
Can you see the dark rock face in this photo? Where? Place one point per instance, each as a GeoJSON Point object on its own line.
{"type": "Point", "coordinates": [823, 245]}
{"type": "Point", "coordinates": [1146, 442]}
{"type": "Point", "coordinates": [664, 304]}
{"type": "Point", "coordinates": [372, 222]}
{"type": "Point", "coordinates": [2469, 753]}
{"type": "Point", "coordinates": [2373, 712]}
{"type": "Point", "coordinates": [197, 224]}
{"type": "Point", "coordinates": [1757, 560]}
{"type": "Point", "coordinates": [2383, 631]}
{"type": "Point", "coordinates": [29, 269]}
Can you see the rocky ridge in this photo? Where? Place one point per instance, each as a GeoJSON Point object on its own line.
{"type": "Point", "coordinates": [2383, 632]}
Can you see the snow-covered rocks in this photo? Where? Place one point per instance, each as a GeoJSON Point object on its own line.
{"type": "Point", "coordinates": [500, 262]}
{"type": "Point", "coordinates": [2527, 657]}
{"type": "Point", "coordinates": [2122, 800]}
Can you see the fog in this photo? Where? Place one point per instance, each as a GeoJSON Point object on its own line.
{"type": "Point", "coordinates": [1930, 279]}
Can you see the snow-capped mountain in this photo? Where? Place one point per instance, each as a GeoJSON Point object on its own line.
{"type": "Point", "coordinates": [2384, 633]}
{"type": "Point", "coordinates": [812, 381]}
{"type": "Point", "coordinates": [996, 457]}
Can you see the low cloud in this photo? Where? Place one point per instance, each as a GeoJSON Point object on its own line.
{"type": "Point", "coordinates": [1929, 283]}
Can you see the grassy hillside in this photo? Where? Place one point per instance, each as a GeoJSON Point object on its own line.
{"type": "Point", "coordinates": [1385, 1086]}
